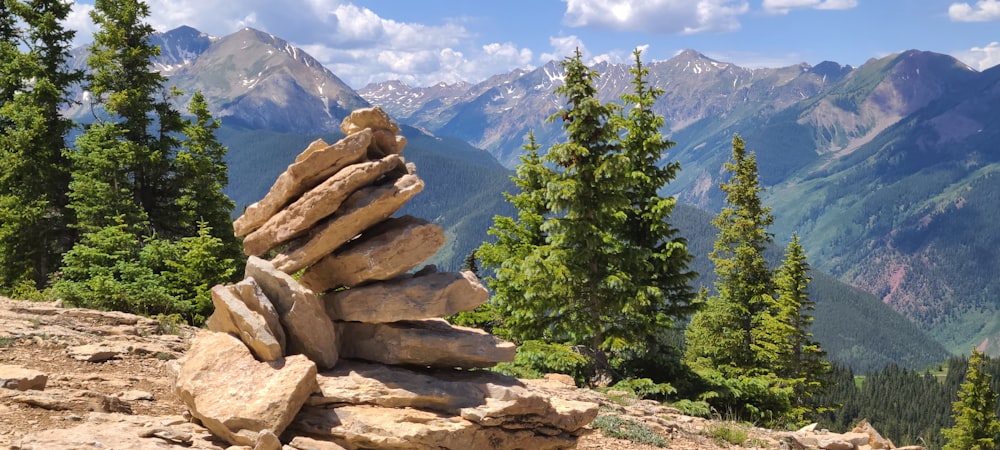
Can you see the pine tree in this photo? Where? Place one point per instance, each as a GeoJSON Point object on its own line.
{"type": "Point", "coordinates": [34, 174]}
{"type": "Point", "coordinates": [977, 426]}
{"type": "Point", "coordinates": [582, 264]}
{"type": "Point", "coordinates": [802, 360]}
{"type": "Point", "coordinates": [737, 341]}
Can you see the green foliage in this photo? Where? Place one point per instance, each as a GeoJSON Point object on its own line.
{"type": "Point", "coordinates": [977, 426]}
{"type": "Point", "coordinates": [751, 343]}
{"type": "Point", "coordinates": [802, 360]}
{"type": "Point", "coordinates": [727, 433]}
{"type": "Point", "coordinates": [696, 408]}
{"type": "Point", "coordinates": [34, 176]}
{"type": "Point", "coordinates": [591, 259]}
{"type": "Point", "coordinates": [115, 269]}
{"type": "Point", "coordinates": [644, 388]}
{"type": "Point", "coordinates": [534, 359]}
{"type": "Point", "coordinates": [621, 428]}
{"type": "Point", "coordinates": [201, 173]}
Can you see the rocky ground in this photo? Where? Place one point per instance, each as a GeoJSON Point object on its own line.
{"type": "Point", "coordinates": [107, 385]}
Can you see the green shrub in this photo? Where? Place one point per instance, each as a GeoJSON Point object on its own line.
{"type": "Point", "coordinates": [644, 388]}
{"type": "Point", "coordinates": [536, 358]}
{"type": "Point", "coordinates": [630, 430]}
{"type": "Point", "coordinates": [727, 433]}
{"type": "Point", "coordinates": [697, 408]}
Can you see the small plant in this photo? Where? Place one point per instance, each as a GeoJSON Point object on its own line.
{"type": "Point", "coordinates": [697, 408]}
{"type": "Point", "coordinates": [643, 388]}
{"type": "Point", "coordinates": [7, 341]}
{"type": "Point", "coordinates": [164, 356]}
{"type": "Point", "coordinates": [727, 433]}
{"type": "Point", "coordinates": [169, 324]}
{"type": "Point", "coordinates": [620, 428]}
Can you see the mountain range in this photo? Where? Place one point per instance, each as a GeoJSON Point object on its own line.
{"type": "Point", "coordinates": [883, 169]}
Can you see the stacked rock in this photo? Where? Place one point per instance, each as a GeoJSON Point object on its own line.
{"type": "Point", "coordinates": [302, 359]}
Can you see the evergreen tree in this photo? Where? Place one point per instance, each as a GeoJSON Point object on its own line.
{"type": "Point", "coordinates": [135, 182]}
{"type": "Point", "coordinates": [802, 361]}
{"type": "Point", "coordinates": [516, 283]}
{"type": "Point", "coordinates": [977, 426]}
{"type": "Point", "coordinates": [201, 171]}
{"type": "Point", "coordinates": [124, 84]}
{"type": "Point", "coordinates": [582, 265]}
{"type": "Point", "coordinates": [34, 174]}
{"type": "Point", "coordinates": [737, 340]}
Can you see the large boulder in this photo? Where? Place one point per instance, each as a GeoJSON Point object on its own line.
{"type": "Point", "coordinates": [437, 294]}
{"type": "Point", "coordinates": [430, 343]}
{"type": "Point", "coordinates": [316, 166]}
{"type": "Point", "coordinates": [384, 251]}
{"type": "Point", "coordinates": [360, 211]}
{"type": "Point", "coordinates": [235, 396]}
{"type": "Point", "coordinates": [309, 330]}
{"type": "Point", "coordinates": [318, 203]}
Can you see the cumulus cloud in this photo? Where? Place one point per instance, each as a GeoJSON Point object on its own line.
{"type": "Point", "coordinates": [353, 41]}
{"type": "Point", "coordinates": [656, 16]}
{"type": "Point", "coordinates": [981, 58]}
{"type": "Point", "coordinates": [79, 20]}
{"type": "Point", "coordinates": [784, 6]}
{"type": "Point", "coordinates": [983, 11]}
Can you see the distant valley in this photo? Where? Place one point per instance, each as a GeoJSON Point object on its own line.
{"type": "Point", "coordinates": [885, 170]}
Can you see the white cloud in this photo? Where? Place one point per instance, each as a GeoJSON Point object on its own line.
{"type": "Point", "coordinates": [984, 11]}
{"type": "Point", "coordinates": [352, 41]}
{"type": "Point", "coordinates": [784, 6]}
{"type": "Point", "coordinates": [565, 46]}
{"type": "Point", "coordinates": [656, 16]}
{"type": "Point", "coordinates": [981, 58]}
{"type": "Point", "coordinates": [79, 20]}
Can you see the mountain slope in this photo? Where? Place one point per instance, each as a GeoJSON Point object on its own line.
{"type": "Point", "coordinates": [257, 80]}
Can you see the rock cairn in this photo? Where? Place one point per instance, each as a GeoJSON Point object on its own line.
{"type": "Point", "coordinates": [331, 342]}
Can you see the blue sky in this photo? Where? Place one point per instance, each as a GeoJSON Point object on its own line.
{"type": "Point", "coordinates": [429, 41]}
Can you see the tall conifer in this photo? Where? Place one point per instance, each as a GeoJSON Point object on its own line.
{"type": "Point", "coordinates": [977, 426]}
{"type": "Point", "coordinates": [802, 360]}
{"type": "Point", "coordinates": [737, 341]}
{"type": "Point", "coordinates": [34, 172]}
{"type": "Point", "coordinates": [591, 261]}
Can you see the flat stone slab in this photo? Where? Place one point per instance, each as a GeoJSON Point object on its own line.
{"type": "Point", "coordinates": [234, 317]}
{"type": "Point", "coordinates": [382, 252]}
{"type": "Point", "coordinates": [22, 379]}
{"type": "Point", "coordinates": [317, 165]}
{"type": "Point", "coordinates": [365, 426]}
{"type": "Point", "coordinates": [318, 203]}
{"type": "Point", "coordinates": [430, 343]}
{"type": "Point", "coordinates": [360, 211]}
{"type": "Point", "coordinates": [437, 294]}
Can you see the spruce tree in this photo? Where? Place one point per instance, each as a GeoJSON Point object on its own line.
{"type": "Point", "coordinates": [977, 426]}
{"type": "Point", "coordinates": [201, 173]}
{"type": "Point", "coordinates": [802, 360]}
{"type": "Point", "coordinates": [737, 341]}
{"type": "Point", "coordinates": [34, 172]}
{"type": "Point", "coordinates": [517, 281]}
{"type": "Point", "coordinates": [123, 83]}
{"type": "Point", "coordinates": [590, 261]}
